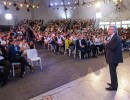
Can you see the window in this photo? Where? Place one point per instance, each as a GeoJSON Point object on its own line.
{"type": "Point", "coordinates": [125, 22]}
{"type": "Point", "coordinates": [118, 23]}
{"type": "Point", "coordinates": [104, 23]}
{"type": "Point", "coordinates": [124, 26]}
{"type": "Point", "coordinates": [101, 26]}
{"type": "Point", "coordinates": [118, 26]}
{"type": "Point", "coordinates": [112, 23]}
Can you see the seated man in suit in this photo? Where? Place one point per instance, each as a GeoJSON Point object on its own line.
{"type": "Point", "coordinates": [6, 64]}
{"type": "Point", "coordinates": [15, 56]}
{"type": "Point", "coordinates": [82, 46]}
{"type": "Point", "coordinates": [92, 46]}
{"type": "Point", "coordinates": [59, 42]}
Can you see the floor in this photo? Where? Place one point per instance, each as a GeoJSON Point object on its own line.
{"type": "Point", "coordinates": [92, 86]}
{"type": "Point", "coordinates": [61, 71]}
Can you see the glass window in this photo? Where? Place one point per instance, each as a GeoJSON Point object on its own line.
{"type": "Point", "coordinates": [101, 26]}
{"type": "Point", "coordinates": [129, 25]}
{"type": "Point", "coordinates": [118, 26]}
{"type": "Point", "coordinates": [118, 23]}
{"type": "Point", "coordinates": [125, 22]}
{"type": "Point", "coordinates": [104, 23]}
{"type": "Point", "coordinates": [112, 23]}
{"type": "Point", "coordinates": [107, 26]}
{"type": "Point", "coordinates": [124, 26]}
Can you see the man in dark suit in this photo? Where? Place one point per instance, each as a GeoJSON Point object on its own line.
{"type": "Point", "coordinates": [15, 56]}
{"type": "Point", "coordinates": [113, 56]}
{"type": "Point", "coordinates": [82, 46]}
{"type": "Point", "coordinates": [6, 66]}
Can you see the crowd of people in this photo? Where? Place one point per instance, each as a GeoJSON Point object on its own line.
{"type": "Point", "coordinates": [62, 36]}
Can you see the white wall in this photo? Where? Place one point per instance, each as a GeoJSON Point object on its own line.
{"type": "Point", "coordinates": [81, 12]}
{"type": "Point", "coordinates": [46, 13]}
{"type": "Point", "coordinates": [22, 14]}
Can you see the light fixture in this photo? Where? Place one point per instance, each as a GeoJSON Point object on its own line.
{"type": "Point", "coordinates": [51, 4]}
{"type": "Point", "coordinates": [27, 5]}
{"type": "Point", "coordinates": [5, 3]}
{"type": "Point", "coordinates": [33, 6]}
{"type": "Point", "coordinates": [37, 6]}
{"type": "Point", "coordinates": [6, 8]}
{"type": "Point", "coordinates": [61, 3]}
{"type": "Point", "coordinates": [78, 3]}
{"type": "Point", "coordinates": [106, 1]}
{"type": "Point", "coordinates": [10, 3]}
{"type": "Point", "coordinates": [17, 4]}
{"type": "Point", "coordinates": [98, 15]}
{"type": "Point", "coordinates": [8, 16]}
{"type": "Point", "coordinates": [83, 2]}
{"type": "Point", "coordinates": [65, 9]}
{"type": "Point", "coordinates": [17, 8]}
{"type": "Point", "coordinates": [56, 3]}
{"type": "Point", "coordinates": [14, 4]}
{"type": "Point", "coordinates": [89, 4]}
{"type": "Point", "coordinates": [98, 4]}
{"type": "Point", "coordinates": [68, 3]}
{"type": "Point", "coordinates": [21, 5]}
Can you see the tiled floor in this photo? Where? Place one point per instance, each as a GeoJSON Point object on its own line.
{"type": "Point", "coordinates": [92, 86]}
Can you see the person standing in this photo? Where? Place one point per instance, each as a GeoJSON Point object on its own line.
{"type": "Point", "coordinates": [113, 56]}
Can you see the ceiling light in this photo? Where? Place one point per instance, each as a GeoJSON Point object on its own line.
{"type": "Point", "coordinates": [98, 15]}
{"type": "Point", "coordinates": [106, 1]}
{"type": "Point", "coordinates": [21, 5]}
{"type": "Point", "coordinates": [33, 6]}
{"type": "Point", "coordinates": [10, 3]}
{"type": "Point", "coordinates": [98, 4]}
{"type": "Point", "coordinates": [88, 6]}
{"type": "Point", "coordinates": [56, 3]}
{"type": "Point", "coordinates": [51, 4]}
{"type": "Point", "coordinates": [4, 3]}
{"type": "Point", "coordinates": [8, 16]}
{"type": "Point", "coordinates": [27, 6]}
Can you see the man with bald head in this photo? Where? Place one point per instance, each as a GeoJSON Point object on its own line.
{"type": "Point", "coordinates": [113, 56]}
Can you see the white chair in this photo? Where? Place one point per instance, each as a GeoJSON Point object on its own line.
{"type": "Point", "coordinates": [51, 47]}
{"type": "Point", "coordinates": [32, 56]}
{"type": "Point", "coordinates": [13, 65]}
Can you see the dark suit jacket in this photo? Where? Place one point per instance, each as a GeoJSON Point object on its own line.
{"type": "Point", "coordinates": [83, 42]}
{"type": "Point", "coordinates": [13, 53]}
{"type": "Point", "coordinates": [4, 53]}
{"type": "Point", "coordinates": [114, 50]}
